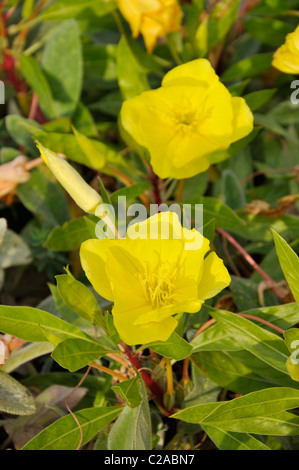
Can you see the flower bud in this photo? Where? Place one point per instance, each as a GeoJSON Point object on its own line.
{"type": "Point", "coordinates": [84, 196]}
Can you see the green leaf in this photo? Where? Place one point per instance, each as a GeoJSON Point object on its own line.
{"type": "Point", "coordinates": [79, 299]}
{"type": "Point", "coordinates": [72, 234]}
{"type": "Point", "coordinates": [268, 30]}
{"type": "Point", "coordinates": [22, 130]}
{"type": "Point", "coordinates": [239, 371]}
{"type": "Point", "coordinates": [92, 154]}
{"type": "Point", "coordinates": [13, 251]}
{"type": "Point", "coordinates": [14, 397]}
{"type": "Point", "coordinates": [209, 230]}
{"type": "Point", "coordinates": [132, 430]}
{"type": "Point", "coordinates": [215, 338]}
{"type": "Point", "coordinates": [62, 64]}
{"type": "Point", "coordinates": [28, 323]}
{"type": "Point", "coordinates": [131, 77]}
{"type": "Point", "coordinates": [283, 316]}
{"type": "Point", "coordinates": [130, 192]}
{"type": "Point", "coordinates": [68, 145]}
{"type": "Point", "coordinates": [257, 99]}
{"type": "Point", "coordinates": [221, 20]}
{"type": "Point", "coordinates": [289, 262]}
{"type": "Point", "coordinates": [73, 354]}
{"type": "Point", "coordinates": [129, 391]}
{"type": "Point", "coordinates": [226, 440]}
{"type": "Point", "coordinates": [37, 80]}
{"type": "Point", "coordinates": [257, 412]}
{"type": "Point", "coordinates": [224, 216]}
{"type": "Point", "coordinates": [261, 343]}
{"type": "Point", "coordinates": [44, 198]}
{"type": "Point", "coordinates": [25, 354]}
{"type": "Point", "coordinates": [65, 434]}
{"type": "Point", "coordinates": [67, 9]}
{"type": "Point", "coordinates": [174, 348]}
{"type": "Point", "coordinates": [233, 193]}
{"type": "Point", "coordinates": [268, 121]}
{"type": "Point", "coordinates": [249, 67]}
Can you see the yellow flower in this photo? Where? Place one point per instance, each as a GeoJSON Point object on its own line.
{"type": "Point", "coordinates": [151, 18]}
{"type": "Point", "coordinates": [191, 116]}
{"type": "Point", "coordinates": [85, 196]}
{"type": "Point", "coordinates": [286, 58]}
{"type": "Point", "coordinates": [150, 280]}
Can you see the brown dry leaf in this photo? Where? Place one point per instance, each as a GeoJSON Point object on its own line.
{"type": "Point", "coordinates": [259, 207]}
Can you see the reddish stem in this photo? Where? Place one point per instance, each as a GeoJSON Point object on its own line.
{"type": "Point", "coordinates": [248, 258]}
{"type": "Point", "coordinates": [212, 321]}
{"type": "Point", "coordinates": [151, 384]}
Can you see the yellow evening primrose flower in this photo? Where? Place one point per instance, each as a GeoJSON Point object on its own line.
{"type": "Point", "coordinates": [191, 116]}
{"type": "Point", "coordinates": [286, 58]}
{"type": "Point", "coordinates": [151, 279]}
{"type": "Point", "coordinates": [152, 18]}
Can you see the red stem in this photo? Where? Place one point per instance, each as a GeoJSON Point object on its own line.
{"type": "Point", "coordinates": [248, 258]}
{"type": "Point", "coordinates": [212, 321]}
{"type": "Point", "coordinates": [151, 384]}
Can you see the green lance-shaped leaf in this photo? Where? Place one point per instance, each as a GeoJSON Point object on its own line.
{"type": "Point", "coordinates": [261, 343]}
{"type": "Point", "coordinates": [249, 67]}
{"type": "Point", "coordinates": [289, 262]}
{"type": "Point", "coordinates": [73, 354]}
{"type": "Point", "coordinates": [174, 348]}
{"type": "Point", "coordinates": [70, 235]}
{"type": "Point", "coordinates": [65, 433]}
{"type": "Point", "coordinates": [37, 80]}
{"type": "Point", "coordinates": [62, 65]}
{"type": "Point", "coordinates": [14, 397]}
{"type": "Point", "coordinates": [226, 440]}
{"type": "Point", "coordinates": [32, 324]}
{"type": "Point", "coordinates": [79, 299]}
{"type": "Point", "coordinates": [90, 151]}
{"type": "Point", "coordinates": [132, 430]}
{"type": "Point", "coordinates": [131, 76]}
{"type": "Point", "coordinates": [261, 412]}
{"type": "Point", "coordinates": [129, 391]}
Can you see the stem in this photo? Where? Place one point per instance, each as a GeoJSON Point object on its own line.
{"type": "Point", "coordinates": [109, 371]}
{"type": "Point", "coordinates": [279, 292]}
{"type": "Point", "coordinates": [169, 377]}
{"type": "Point", "coordinates": [156, 190]}
{"type": "Point", "coordinates": [185, 376]}
{"type": "Point", "coordinates": [248, 258]}
{"type": "Point", "coordinates": [151, 384]}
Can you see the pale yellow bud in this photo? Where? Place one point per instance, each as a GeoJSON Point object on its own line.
{"type": "Point", "coordinates": [84, 196]}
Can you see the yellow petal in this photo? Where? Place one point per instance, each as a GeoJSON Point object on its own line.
{"type": "Point", "coordinates": [93, 255]}
{"type": "Point", "coordinates": [143, 334]}
{"type": "Point", "coordinates": [195, 73]}
{"type": "Point", "coordinates": [132, 14]}
{"type": "Point", "coordinates": [215, 277]}
{"type": "Point", "coordinates": [243, 119]}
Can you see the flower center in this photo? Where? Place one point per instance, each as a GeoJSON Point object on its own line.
{"type": "Point", "coordinates": [158, 287]}
{"type": "Point", "coordinates": [185, 121]}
